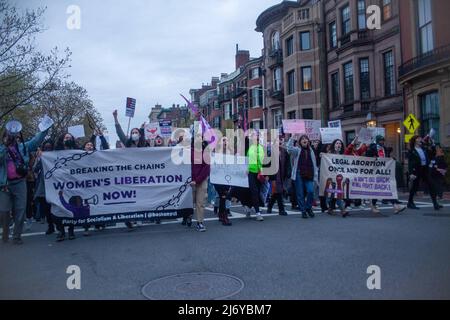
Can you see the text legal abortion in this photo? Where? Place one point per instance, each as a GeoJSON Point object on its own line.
{"type": "Point", "coordinates": [137, 180]}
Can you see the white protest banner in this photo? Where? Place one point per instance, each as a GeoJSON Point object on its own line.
{"type": "Point", "coordinates": [152, 130]}
{"type": "Point", "coordinates": [116, 185]}
{"type": "Point", "coordinates": [229, 170]}
{"type": "Point", "coordinates": [294, 126]}
{"type": "Point", "coordinates": [329, 135]}
{"type": "Point", "coordinates": [77, 131]}
{"type": "Point", "coordinates": [334, 124]}
{"type": "Point", "coordinates": [348, 177]}
{"type": "Point", "coordinates": [45, 123]}
{"type": "Point", "coordinates": [368, 135]}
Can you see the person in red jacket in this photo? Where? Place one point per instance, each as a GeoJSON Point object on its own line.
{"type": "Point", "coordinates": [354, 149]}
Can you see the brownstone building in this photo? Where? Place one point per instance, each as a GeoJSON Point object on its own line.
{"type": "Point", "coordinates": [425, 73]}
{"type": "Point", "coordinates": [362, 78]}
{"type": "Point", "coordinates": [291, 61]}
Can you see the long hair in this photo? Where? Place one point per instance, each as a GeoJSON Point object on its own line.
{"type": "Point", "coordinates": [60, 142]}
{"type": "Point", "coordinates": [142, 143]}
{"type": "Point", "coordinates": [333, 149]}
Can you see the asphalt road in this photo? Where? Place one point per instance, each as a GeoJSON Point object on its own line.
{"type": "Point", "coordinates": [280, 258]}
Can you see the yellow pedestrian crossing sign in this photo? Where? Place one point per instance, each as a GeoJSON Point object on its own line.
{"type": "Point", "coordinates": [408, 137]}
{"type": "Point", "coordinates": [411, 123]}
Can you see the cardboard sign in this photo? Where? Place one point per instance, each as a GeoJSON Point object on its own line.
{"type": "Point", "coordinates": [130, 107]}
{"type": "Point", "coordinates": [294, 126]}
{"type": "Point", "coordinates": [77, 131]}
{"type": "Point", "coordinates": [334, 124]}
{"type": "Point", "coordinates": [229, 170]}
{"type": "Point", "coordinates": [329, 135]}
{"type": "Point", "coordinates": [165, 127]}
{"type": "Point", "coordinates": [368, 135]}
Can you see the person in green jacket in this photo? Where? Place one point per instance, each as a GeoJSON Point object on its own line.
{"type": "Point", "coordinates": [14, 159]}
{"type": "Point", "coordinates": [255, 156]}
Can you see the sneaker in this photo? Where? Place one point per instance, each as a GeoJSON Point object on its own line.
{"type": "Point", "coordinates": [345, 214]}
{"type": "Point", "coordinates": [129, 225]}
{"type": "Point", "coordinates": [18, 241]}
{"type": "Point", "coordinates": [310, 213]}
{"type": "Point", "coordinates": [71, 236]}
{"type": "Point", "coordinates": [259, 217]}
{"type": "Point", "coordinates": [227, 223]}
{"type": "Point", "coordinates": [283, 213]}
{"type": "Point", "coordinates": [183, 223]}
{"type": "Point", "coordinates": [200, 227]}
{"type": "Point", "coordinates": [158, 221]}
{"type": "Point", "coordinates": [375, 209]}
{"type": "Point", "coordinates": [304, 215]}
{"type": "Point", "coordinates": [399, 209]}
{"type": "Point", "coordinates": [330, 212]}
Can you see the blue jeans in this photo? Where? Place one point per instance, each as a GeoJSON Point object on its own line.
{"type": "Point", "coordinates": [300, 186]}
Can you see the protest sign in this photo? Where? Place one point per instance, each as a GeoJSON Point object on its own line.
{"type": "Point", "coordinates": [45, 123]}
{"type": "Point", "coordinates": [229, 170]}
{"type": "Point", "coordinates": [294, 126]}
{"type": "Point", "coordinates": [329, 135]}
{"type": "Point", "coordinates": [334, 124]}
{"type": "Point", "coordinates": [116, 185]}
{"type": "Point", "coordinates": [312, 128]}
{"type": "Point", "coordinates": [152, 130]}
{"type": "Point", "coordinates": [130, 107]}
{"type": "Point", "coordinates": [348, 177]}
{"type": "Point", "coordinates": [368, 135]}
{"type": "Point", "coordinates": [77, 131]}
{"type": "Point", "coordinates": [165, 128]}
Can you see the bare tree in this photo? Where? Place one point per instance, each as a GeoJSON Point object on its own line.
{"type": "Point", "coordinates": [25, 73]}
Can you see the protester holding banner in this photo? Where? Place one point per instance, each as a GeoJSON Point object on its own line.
{"type": "Point", "coordinates": [356, 149]}
{"type": "Point", "coordinates": [317, 148]}
{"type": "Point", "coordinates": [418, 168]}
{"type": "Point", "coordinates": [255, 178]}
{"type": "Point", "coordinates": [14, 159]}
{"type": "Point", "coordinates": [65, 142]}
{"type": "Point", "coordinates": [39, 196]}
{"type": "Point", "coordinates": [304, 173]}
{"type": "Point", "coordinates": [377, 150]}
{"type": "Point", "coordinates": [104, 144]}
{"type": "Point", "coordinates": [277, 180]}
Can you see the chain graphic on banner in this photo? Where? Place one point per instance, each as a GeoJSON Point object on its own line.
{"type": "Point", "coordinates": [62, 162]}
{"type": "Point", "coordinates": [175, 199]}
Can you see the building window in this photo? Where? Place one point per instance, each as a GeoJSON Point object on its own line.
{"type": "Point", "coordinates": [348, 82]}
{"type": "Point", "coordinates": [333, 34]}
{"type": "Point", "coordinates": [291, 82]}
{"type": "Point", "coordinates": [276, 41]}
{"type": "Point", "coordinates": [303, 14]}
{"type": "Point", "coordinates": [335, 90]}
{"type": "Point", "coordinates": [228, 112]}
{"type": "Point", "coordinates": [389, 77]}
{"type": "Point", "coordinates": [362, 15]}
{"type": "Point", "coordinates": [305, 41]}
{"type": "Point", "coordinates": [216, 122]}
{"type": "Point", "coordinates": [307, 114]}
{"type": "Point", "coordinates": [364, 78]}
{"type": "Point", "coordinates": [387, 9]}
{"type": "Point", "coordinates": [429, 108]}
{"type": "Point", "coordinates": [256, 124]}
{"type": "Point", "coordinates": [349, 137]}
{"type": "Point", "coordinates": [289, 46]}
{"type": "Point", "coordinates": [291, 115]}
{"type": "Point", "coordinates": [306, 79]}
{"type": "Point", "coordinates": [254, 74]}
{"type": "Point", "coordinates": [256, 97]}
{"type": "Point", "coordinates": [277, 79]}
{"type": "Point", "coordinates": [277, 119]}
{"type": "Point", "coordinates": [425, 26]}
{"type": "Point", "coordinates": [345, 17]}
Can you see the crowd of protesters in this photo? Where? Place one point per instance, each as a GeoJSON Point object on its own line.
{"type": "Point", "coordinates": [22, 187]}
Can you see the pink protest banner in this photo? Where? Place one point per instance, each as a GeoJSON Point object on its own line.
{"type": "Point", "coordinates": [294, 126]}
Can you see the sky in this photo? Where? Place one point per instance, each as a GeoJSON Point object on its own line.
{"type": "Point", "coordinates": [150, 50]}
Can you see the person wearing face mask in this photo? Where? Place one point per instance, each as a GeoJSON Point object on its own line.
{"type": "Point", "coordinates": [355, 149]}
{"type": "Point", "coordinates": [304, 172]}
{"type": "Point", "coordinates": [65, 142]}
{"type": "Point", "coordinates": [39, 196]}
{"type": "Point", "coordinates": [377, 150]}
{"type": "Point", "coordinates": [14, 159]}
{"type": "Point", "coordinates": [90, 147]}
{"type": "Point", "coordinates": [136, 140]}
{"type": "Point", "coordinates": [418, 168]}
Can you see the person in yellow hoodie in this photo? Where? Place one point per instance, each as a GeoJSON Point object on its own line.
{"type": "Point", "coordinates": [255, 156]}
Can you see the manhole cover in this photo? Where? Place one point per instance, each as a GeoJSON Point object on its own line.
{"type": "Point", "coordinates": [439, 215]}
{"type": "Point", "coordinates": [193, 286]}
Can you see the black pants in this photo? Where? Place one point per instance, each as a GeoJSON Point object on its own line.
{"type": "Point", "coordinates": [60, 227]}
{"type": "Point", "coordinates": [422, 175]}
{"type": "Point", "coordinates": [277, 197]}
{"type": "Point", "coordinates": [31, 208]}
{"type": "Point", "coordinates": [45, 207]}
{"type": "Point", "coordinates": [255, 189]}
{"type": "Point", "coordinates": [293, 195]}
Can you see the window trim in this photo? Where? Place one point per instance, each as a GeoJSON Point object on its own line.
{"type": "Point", "coordinates": [394, 84]}
{"type": "Point", "coordinates": [290, 53]}
{"type": "Point", "coordinates": [303, 78]}
{"type": "Point", "coordinates": [368, 79]}
{"type": "Point", "coordinates": [333, 43]}
{"type": "Point", "coordinates": [289, 85]}
{"type": "Point", "coordinates": [301, 40]}
{"type": "Point", "coordinates": [335, 100]}
{"type": "Point", "coordinates": [346, 6]}
{"type": "Point", "coordinates": [346, 100]}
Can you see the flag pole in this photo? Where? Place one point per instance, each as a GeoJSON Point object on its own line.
{"type": "Point", "coordinates": [128, 130]}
